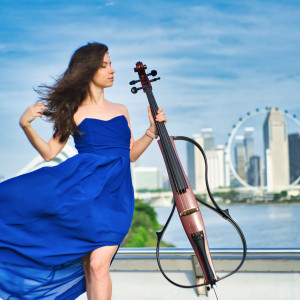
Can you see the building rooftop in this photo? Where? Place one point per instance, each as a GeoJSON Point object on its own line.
{"type": "Point", "coordinates": [266, 274]}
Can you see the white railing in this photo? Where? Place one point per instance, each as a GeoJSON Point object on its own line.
{"type": "Point", "coordinates": [261, 260]}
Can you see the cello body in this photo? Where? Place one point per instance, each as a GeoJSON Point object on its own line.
{"type": "Point", "coordinates": [192, 222]}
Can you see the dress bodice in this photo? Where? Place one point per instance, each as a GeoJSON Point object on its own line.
{"type": "Point", "coordinates": [106, 138]}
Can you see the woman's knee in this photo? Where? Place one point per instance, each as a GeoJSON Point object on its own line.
{"type": "Point", "coordinates": [100, 260]}
{"type": "Point", "coordinates": [98, 267]}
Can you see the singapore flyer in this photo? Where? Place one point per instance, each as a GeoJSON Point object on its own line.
{"type": "Point", "coordinates": [247, 144]}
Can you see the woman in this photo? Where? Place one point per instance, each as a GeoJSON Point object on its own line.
{"type": "Point", "coordinates": [56, 221]}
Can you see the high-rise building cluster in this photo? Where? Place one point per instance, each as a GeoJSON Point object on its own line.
{"type": "Point", "coordinates": [248, 165]}
{"type": "Point", "coordinates": [279, 167]}
{"type": "Point", "coordinates": [281, 151]}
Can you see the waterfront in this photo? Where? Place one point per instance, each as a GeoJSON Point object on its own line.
{"type": "Point", "coordinates": [264, 226]}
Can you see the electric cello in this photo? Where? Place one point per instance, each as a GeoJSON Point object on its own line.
{"type": "Point", "coordinates": [184, 199]}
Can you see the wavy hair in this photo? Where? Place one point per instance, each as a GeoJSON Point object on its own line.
{"type": "Point", "coordinates": [71, 88]}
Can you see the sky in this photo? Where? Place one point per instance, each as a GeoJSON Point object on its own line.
{"type": "Point", "coordinates": [217, 61]}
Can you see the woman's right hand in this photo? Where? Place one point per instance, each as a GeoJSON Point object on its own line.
{"type": "Point", "coordinates": [32, 112]}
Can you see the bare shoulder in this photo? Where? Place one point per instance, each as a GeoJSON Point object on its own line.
{"type": "Point", "coordinates": [123, 109]}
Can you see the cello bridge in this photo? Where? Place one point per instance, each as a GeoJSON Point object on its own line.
{"type": "Point", "coordinates": [188, 211]}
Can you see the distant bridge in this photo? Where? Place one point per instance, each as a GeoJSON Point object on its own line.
{"type": "Point", "coordinates": [166, 198]}
{"type": "Point", "coordinates": [156, 198]}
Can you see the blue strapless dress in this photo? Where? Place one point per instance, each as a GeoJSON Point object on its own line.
{"type": "Point", "coordinates": [53, 216]}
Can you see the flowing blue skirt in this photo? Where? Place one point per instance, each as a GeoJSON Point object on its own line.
{"type": "Point", "coordinates": [52, 217]}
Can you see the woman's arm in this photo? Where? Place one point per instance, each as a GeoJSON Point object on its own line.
{"type": "Point", "coordinates": [139, 146]}
{"type": "Point", "coordinates": [47, 150]}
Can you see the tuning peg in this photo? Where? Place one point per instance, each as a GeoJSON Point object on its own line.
{"type": "Point", "coordinates": [154, 79]}
{"type": "Point", "coordinates": [134, 82]}
{"type": "Point", "coordinates": [134, 90]}
{"type": "Point", "coordinates": [152, 73]}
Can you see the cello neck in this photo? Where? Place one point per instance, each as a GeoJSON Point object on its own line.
{"type": "Point", "coordinates": [172, 162]}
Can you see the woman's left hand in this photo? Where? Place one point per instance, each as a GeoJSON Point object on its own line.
{"type": "Point", "coordinates": [160, 117]}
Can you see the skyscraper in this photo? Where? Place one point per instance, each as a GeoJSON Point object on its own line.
{"type": "Point", "coordinates": [208, 139]}
{"type": "Point", "coordinates": [240, 157]}
{"type": "Point", "coordinates": [249, 144]}
{"type": "Point", "coordinates": [218, 172]}
{"type": "Point", "coordinates": [276, 151]}
{"type": "Point", "coordinates": [294, 154]}
{"type": "Point", "coordinates": [253, 172]}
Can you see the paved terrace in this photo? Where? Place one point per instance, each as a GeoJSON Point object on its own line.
{"type": "Point", "coordinates": [267, 274]}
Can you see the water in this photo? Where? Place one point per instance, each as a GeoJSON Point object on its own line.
{"type": "Point", "coordinates": [264, 226]}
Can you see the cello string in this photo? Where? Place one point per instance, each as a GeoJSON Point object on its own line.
{"type": "Point", "coordinates": [182, 196]}
{"type": "Point", "coordinates": [174, 161]}
{"type": "Point", "coordinates": [171, 156]}
{"type": "Point", "coordinates": [191, 224]}
{"type": "Point", "coordinates": [154, 108]}
{"type": "Point", "coordinates": [175, 170]}
{"type": "Point", "coordinates": [166, 145]}
{"type": "Point", "coordinates": [174, 165]}
{"type": "Point", "coordinates": [177, 175]}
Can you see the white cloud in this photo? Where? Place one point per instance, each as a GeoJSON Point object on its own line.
{"type": "Point", "coordinates": [110, 3]}
{"type": "Point", "coordinates": [215, 63]}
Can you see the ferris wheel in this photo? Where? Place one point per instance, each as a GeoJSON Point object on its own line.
{"type": "Point", "coordinates": [232, 135]}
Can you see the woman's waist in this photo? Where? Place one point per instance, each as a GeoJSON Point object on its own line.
{"type": "Point", "coordinates": [109, 151]}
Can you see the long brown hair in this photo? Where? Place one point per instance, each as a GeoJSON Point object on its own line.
{"type": "Point", "coordinates": [71, 88]}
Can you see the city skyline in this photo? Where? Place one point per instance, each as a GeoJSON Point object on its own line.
{"type": "Point", "coordinates": [257, 171]}
{"type": "Point", "coordinates": [270, 170]}
{"type": "Point", "coordinates": [217, 60]}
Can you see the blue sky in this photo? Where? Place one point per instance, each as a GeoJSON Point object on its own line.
{"type": "Point", "coordinates": [217, 60]}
